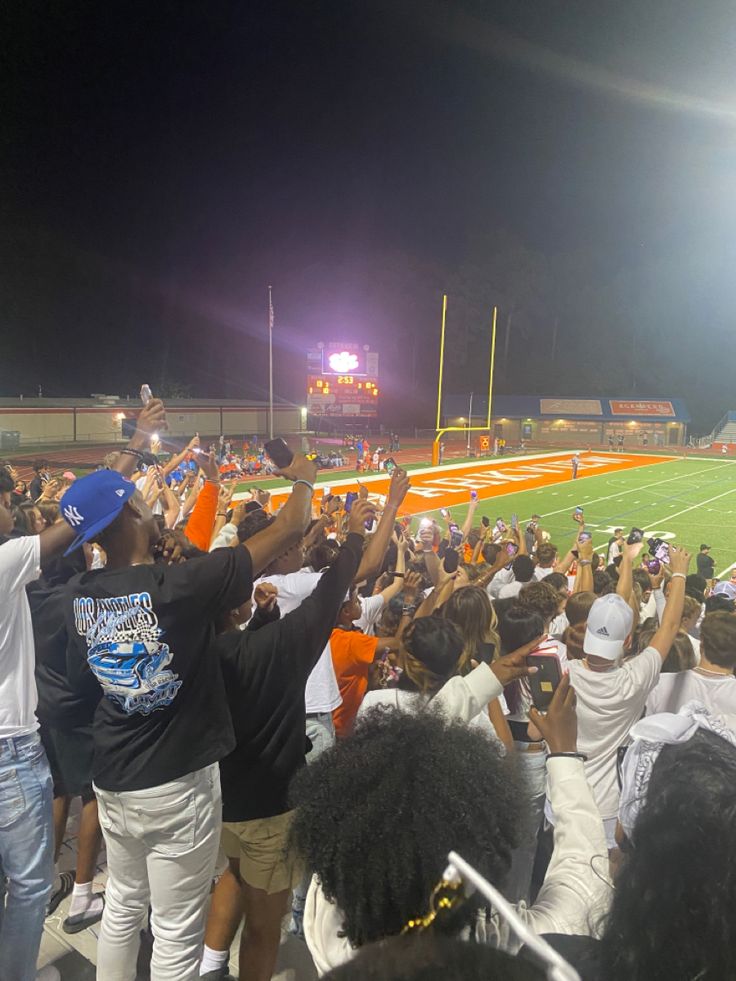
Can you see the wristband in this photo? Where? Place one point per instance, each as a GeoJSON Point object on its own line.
{"type": "Point", "coordinates": [398, 575]}
{"type": "Point", "coordinates": [136, 453]}
{"type": "Point", "coordinates": [571, 756]}
{"type": "Point", "coordinates": [585, 562]}
{"type": "Point", "coordinates": [221, 514]}
{"type": "Point", "coordinates": [678, 575]}
{"type": "Point", "coordinates": [408, 611]}
{"type": "Point", "coordinates": [305, 482]}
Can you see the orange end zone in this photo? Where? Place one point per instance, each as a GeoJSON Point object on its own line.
{"type": "Point", "coordinates": [450, 485]}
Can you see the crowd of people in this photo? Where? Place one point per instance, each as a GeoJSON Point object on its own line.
{"type": "Point", "coordinates": [296, 715]}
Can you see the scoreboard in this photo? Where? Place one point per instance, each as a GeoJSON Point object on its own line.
{"type": "Point", "coordinates": [342, 381]}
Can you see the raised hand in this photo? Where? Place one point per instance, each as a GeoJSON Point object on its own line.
{"type": "Point", "coordinates": [208, 466]}
{"type": "Point", "coordinates": [679, 559]}
{"type": "Point", "coordinates": [360, 512]}
{"type": "Point", "coordinates": [398, 488]}
{"type": "Point", "coordinates": [151, 420]}
{"type": "Point", "coordinates": [513, 666]}
{"type": "Point", "coordinates": [300, 468]}
{"type": "Point", "coordinates": [265, 596]}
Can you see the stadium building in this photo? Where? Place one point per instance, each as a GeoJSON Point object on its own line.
{"type": "Point", "coordinates": [552, 421]}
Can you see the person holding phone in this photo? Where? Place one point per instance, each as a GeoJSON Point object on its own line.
{"type": "Point", "coordinates": [265, 669]}
{"type": "Point", "coordinates": [530, 616]}
{"type": "Point", "coordinates": [354, 653]}
{"type": "Point", "coordinates": [140, 636]}
{"type": "Point", "coordinates": [612, 692]}
{"type": "Point", "coordinates": [294, 584]}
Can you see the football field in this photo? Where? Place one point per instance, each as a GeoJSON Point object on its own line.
{"type": "Point", "coordinates": [689, 502]}
{"type": "Point", "coordinates": [686, 501]}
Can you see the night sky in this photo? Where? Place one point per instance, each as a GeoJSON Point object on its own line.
{"type": "Point", "coordinates": [163, 162]}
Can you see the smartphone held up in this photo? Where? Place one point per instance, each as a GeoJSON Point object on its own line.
{"type": "Point", "coordinates": [278, 451]}
{"type": "Point", "coordinates": [543, 683]}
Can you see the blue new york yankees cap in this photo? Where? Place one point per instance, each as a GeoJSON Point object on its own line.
{"type": "Point", "coordinates": [93, 502]}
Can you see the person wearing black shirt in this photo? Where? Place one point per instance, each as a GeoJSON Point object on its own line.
{"type": "Point", "coordinates": [266, 670]}
{"type": "Point", "coordinates": [142, 632]}
{"type": "Point", "coordinates": [39, 481]}
{"type": "Point", "coordinates": [705, 563]}
{"type": "Point", "coordinates": [66, 733]}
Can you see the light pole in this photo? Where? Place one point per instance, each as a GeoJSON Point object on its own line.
{"type": "Point", "coordinates": [470, 423]}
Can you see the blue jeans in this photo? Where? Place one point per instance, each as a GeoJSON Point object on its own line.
{"type": "Point", "coordinates": [26, 853]}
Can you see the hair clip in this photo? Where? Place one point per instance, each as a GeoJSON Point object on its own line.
{"type": "Point", "coordinates": [445, 896]}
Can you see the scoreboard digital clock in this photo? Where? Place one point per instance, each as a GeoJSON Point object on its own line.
{"type": "Point", "coordinates": [342, 381]}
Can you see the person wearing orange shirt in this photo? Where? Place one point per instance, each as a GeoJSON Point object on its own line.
{"type": "Point", "coordinates": [354, 654]}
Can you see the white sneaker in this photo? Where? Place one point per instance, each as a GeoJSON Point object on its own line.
{"type": "Point", "coordinates": [48, 973]}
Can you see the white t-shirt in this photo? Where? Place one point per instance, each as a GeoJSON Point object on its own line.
{"type": "Point", "coordinates": [648, 609]}
{"type": "Point", "coordinates": [541, 572]}
{"type": "Point", "coordinates": [158, 506]}
{"type": "Point", "coordinates": [716, 691]}
{"type": "Point", "coordinates": [608, 704]}
{"type": "Point", "coordinates": [695, 644]}
{"type": "Point", "coordinates": [501, 579]}
{"type": "Point", "coordinates": [372, 607]}
{"type": "Point", "coordinates": [510, 589]}
{"type": "Point", "coordinates": [409, 701]}
{"type": "Point", "coordinates": [559, 625]}
{"type": "Point", "coordinates": [20, 563]}
{"type": "Point", "coordinates": [322, 693]}
{"type": "Point", "coordinates": [614, 550]}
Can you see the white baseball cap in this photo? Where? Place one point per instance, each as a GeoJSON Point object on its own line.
{"type": "Point", "coordinates": [726, 589]}
{"type": "Point", "coordinates": [609, 624]}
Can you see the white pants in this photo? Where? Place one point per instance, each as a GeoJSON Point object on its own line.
{"type": "Point", "coordinates": [162, 846]}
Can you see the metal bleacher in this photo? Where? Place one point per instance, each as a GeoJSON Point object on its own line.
{"type": "Point", "coordinates": [725, 431]}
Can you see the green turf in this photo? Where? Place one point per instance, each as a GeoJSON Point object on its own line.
{"type": "Point", "coordinates": [695, 500]}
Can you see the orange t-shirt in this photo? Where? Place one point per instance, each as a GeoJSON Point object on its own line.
{"type": "Point", "coordinates": [353, 652]}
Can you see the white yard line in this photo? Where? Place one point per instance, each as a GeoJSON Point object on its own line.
{"type": "Point", "coordinates": [634, 490]}
{"type": "Point", "coordinates": [693, 507]}
{"type": "Point", "coordinates": [727, 569]}
{"type": "Point", "coordinates": [596, 500]}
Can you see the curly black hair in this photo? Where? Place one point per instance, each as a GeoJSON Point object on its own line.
{"type": "Point", "coordinates": [377, 814]}
{"type": "Point", "coordinates": [672, 917]}
{"type": "Point", "coordinates": [432, 958]}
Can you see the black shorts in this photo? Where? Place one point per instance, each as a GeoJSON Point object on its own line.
{"type": "Point", "coordinates": [70, 758]}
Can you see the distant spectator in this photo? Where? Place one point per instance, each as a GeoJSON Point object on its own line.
{"type": "Point", "coordinates": [614, 545]}
{"type": "Point", "coordinates": [523, 571]}
{"type": "Point", "coordinates": [40, 468]}
{"type": "Point", "coordinates": [546, 557]}
{"type": "Point", "coordinates": [705, 563]}
{"type": "Point", "coordinates": [712, 682]}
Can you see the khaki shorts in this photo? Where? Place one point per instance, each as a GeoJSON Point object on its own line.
{"type": "Point", "coordinates": [261, 848]}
